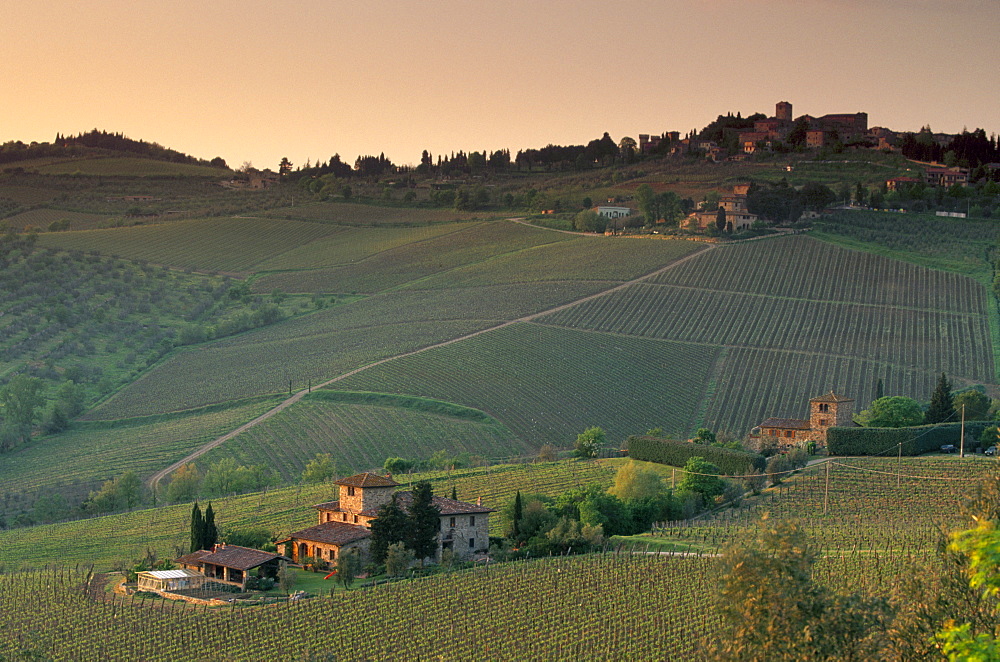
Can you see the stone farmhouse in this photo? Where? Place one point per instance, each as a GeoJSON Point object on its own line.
{"type": "Point", "coordinates": [737, 216]}
{"type": "Point", "coordinates": [825, 412]}
{"type": "Point", "coordinates": [346, 523]}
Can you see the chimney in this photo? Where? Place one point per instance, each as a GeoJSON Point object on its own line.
{"type": "Point", "coordinates": [479, 501]}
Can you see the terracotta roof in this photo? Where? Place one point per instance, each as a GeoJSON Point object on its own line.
{"type": "Point", "coordinates": [367, 480]}
{"type": "Point", "coordinates": [332, 533]}
{"type": "Point", "coordinates": [786, 423]}
{"type": "Point", "coordinates": [193, 558]}
{"type": "Point", "coordinates": [238, 558]}
{"type": "Point", "coordinates": [447, 507]}
{"type": "Point", "coordinates": [328, 505]}
{"type": "Point", "coordinates": [832, 397]}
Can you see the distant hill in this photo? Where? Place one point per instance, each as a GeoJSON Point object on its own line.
{"type": "Point", "coordinates": [95, 144]}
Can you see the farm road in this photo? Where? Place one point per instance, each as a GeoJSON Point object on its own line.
{"type": "Point", "coordinates": [155, 479]}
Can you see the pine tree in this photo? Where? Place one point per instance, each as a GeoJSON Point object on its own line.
{"type": "Point", "coordinates": [210, 533]}
{"type": "Point", "coordinates": [197, 528]}
{"type": "Point", "coordinates": [942, 407]}
{"type": "Point", "coordinates": [425, 520]}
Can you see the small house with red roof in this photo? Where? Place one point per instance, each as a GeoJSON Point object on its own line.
{"type": "Point", "coordinates": [231, 564]}
{"type": "Point", "coordinates": [345, 524]}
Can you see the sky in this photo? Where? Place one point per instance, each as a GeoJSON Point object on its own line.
{"type": "Point", "coordinates": [305, 79]}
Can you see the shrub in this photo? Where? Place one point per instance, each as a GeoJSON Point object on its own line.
{"type": "Point", "coordinates": [912, 440]}
{"type": "Point", "coordinates": [677, 453]}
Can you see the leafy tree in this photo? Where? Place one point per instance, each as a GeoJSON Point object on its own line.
{"type": "Point", "coordinates": [977, 404]}
{"type": "Point", "coordinates": [121, 493]}
{"type": "Point", "coordinates": [348, 566]}
{"type": "Point", "coordinates": [704, 436]}
{"type": "Point", "coordinates": [184, 484]}
{"type": "Point", "coordinates": [257, 537]}
{"type": "Point", "coordinates": [701, 477]}
{"type": "Point", "coordinates": [941, 408]}
{"type": "Point", "coordinates": [286, 577]}
{"type": "Point", "coordinates": [319, 469]}
{"type": "Point", "coordinates": [589, 442]}
{"type": "Point", "coordinates": [589, 220]}
{"type": "Point", "coordinates": [20, 402]}
{"type": "Point", "coordinates": [893, 411]}
{"type": "Point", "coordinates": [398, 558]}
{"type": "Point", "coordinates": [396, 465]}
{"type": "Point", "coordinates": [389, 527]}
{"type": "Point", "coordinates": [773, 610]}
{"type": "Point", "coordinates": [50, 508]}
{"type": "Point", "coordinates": [816, 196]}
{"type": "Point", "coordinates": [425, 521]}
{"type": "Point", "coordinates": [634, 481]}
{"type": "Point", "coordinates": [648, 206]}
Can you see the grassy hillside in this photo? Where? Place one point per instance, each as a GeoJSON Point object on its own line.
{"type": "Point", "coordinates": [121, 166]}
{"type": "Point", "coordinates": [346, 213]}
{"type": "Point", "coordinates": [94, 452]}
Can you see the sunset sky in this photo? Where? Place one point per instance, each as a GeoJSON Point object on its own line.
{"type": "Point", "coordinates": [256, 81]}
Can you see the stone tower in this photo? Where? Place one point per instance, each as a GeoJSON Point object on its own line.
{"type": "Point", "coordinates": [828, 411]}
{"type": "Point", "coordinates": [365, 492]}
{"type": "Point", "coordinates": [783, 111]}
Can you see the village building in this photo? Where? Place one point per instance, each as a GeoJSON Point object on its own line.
{"type": "Point", "coordinates": [825, 412]}
{"type": "Point", "coordinates": [612, 212]}
{"type": "Point", "coordinates": [946, 176]}
{"type": "Point", "coordinates": [231, 564]}
{"type": "Point", "coordinates": [735, 206]}
{"type": "Point", "coordinates": [346, 523]}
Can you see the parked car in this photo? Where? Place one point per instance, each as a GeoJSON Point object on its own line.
{"type": "Point", "coordinates": [949, 448]}
{"type": "Point", "coordinates": [992, 450]}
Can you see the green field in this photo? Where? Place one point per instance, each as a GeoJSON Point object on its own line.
{"type": "Point", "coordinates": [232, 245]}
{"type": "Point", "coordinates": [361, 436]}
{"type": "Point", "coordinates": [531, 378]}
{"type": "Point", "coordinates": [346, 213]}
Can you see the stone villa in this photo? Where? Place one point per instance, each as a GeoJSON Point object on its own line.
{"type": "Point", "coordinates": [825, 412]}
{"type": "Point", "coordinates": [346, 523]}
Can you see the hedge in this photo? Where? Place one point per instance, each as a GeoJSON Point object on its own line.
{"type": "Point", "coordinates": [676, 453]}
{"type": "Point", "coordinates": [915, 440]}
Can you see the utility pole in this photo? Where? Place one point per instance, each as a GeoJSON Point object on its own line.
{"type": "Point", "coordinates": [961, 444]}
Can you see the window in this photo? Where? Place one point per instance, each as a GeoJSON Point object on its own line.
{"type": "Point", "coordinates": [472, 520]}
{"type": "Point", "coordinates": [355, 519]}
{"type": "Point", "coordinates": [472, 543]}
{"type": "Point", "coordinates": [345, 517]}
{"type": "Point", "coordinates": [350, 491]}
{"type": "Point", "coordinates": [333, 554]}
{"type": "Point", "coordinates": [789, 433]}
{"type": "Point", "coordinates": [824, 408]}
{"type": "Point", "coordinates": [451, 522]}
{"type": "Point", "coordinates": [822, 421]}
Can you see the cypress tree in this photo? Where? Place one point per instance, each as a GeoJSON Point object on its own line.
{"type": "Point", "coordinates": [425, 520]}
{"type": "Point", "coordinates": [879, 389]}
{"type": "Point", "coordinates": [197, 526]}
{"type": "Point", "coordinates": [942, 407]}
{"type": "Point", "coordinates": [210, 533]}
{"type": "Point", "coordinates": [454, 494]}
